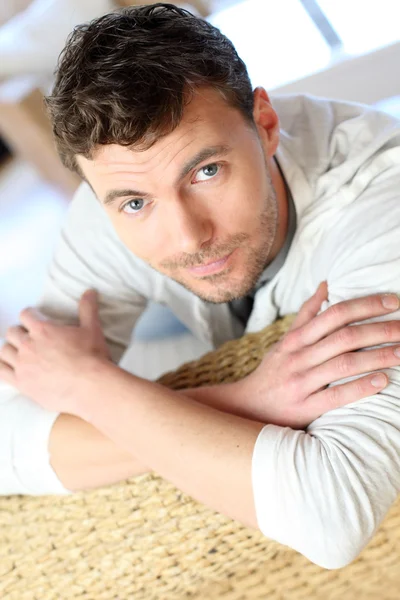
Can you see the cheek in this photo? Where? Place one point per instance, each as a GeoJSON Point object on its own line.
{"type": "Point", "coordinates": [241, 205]}
{"type": "Point", "coordinates": [145, 244]}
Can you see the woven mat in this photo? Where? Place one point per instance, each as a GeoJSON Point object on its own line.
{"type": "Point", "coordinates": [143, 539]}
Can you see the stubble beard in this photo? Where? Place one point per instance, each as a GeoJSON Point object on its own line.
{"type": "Point", "coordinates": [226, 287]}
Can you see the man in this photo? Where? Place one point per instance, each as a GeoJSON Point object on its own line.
{"type": "Point", "coordinates": [198, 200]}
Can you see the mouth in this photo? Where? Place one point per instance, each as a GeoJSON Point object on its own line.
{"type": "Point", "coordinates": [212, 267]}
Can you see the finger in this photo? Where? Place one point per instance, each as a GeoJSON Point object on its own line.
{"type": "Point", "coordinates": [16, 335]}
{"type": "Point", "coordinates": [32, 319]}
{"type": "Point", "coordinates": [89, 311]}
{"type": "Point", "coordinates": [311, 307]}
{"type": "Point", "coordinates": [9, 355]}
{"type": "Point", "coordinates": [339, 395]}
{"type": "Point", "coordinates": [339, 315]}
{"type": "Point", "coordinates": [351, 337]}
{"type": "Point", "coordinates": [349, 365]}
{"type": "Point", "coordinates": [7, 374]}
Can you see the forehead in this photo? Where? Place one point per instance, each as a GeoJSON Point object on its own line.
{"type": "Point", "coordinates": [208, 120]}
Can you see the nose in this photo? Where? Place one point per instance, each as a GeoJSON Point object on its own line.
{"type": "Point", "coordinates": [190, 226]}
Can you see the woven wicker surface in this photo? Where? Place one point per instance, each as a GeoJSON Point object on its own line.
{"type": "Point", "coordinates": [145, 540]}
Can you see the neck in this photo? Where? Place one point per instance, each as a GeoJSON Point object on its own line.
{"type": "Point", "coordinates": [283, 208]}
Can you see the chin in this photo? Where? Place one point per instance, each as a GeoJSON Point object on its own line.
{"type": "Point", "coordinates": [219, 290]}
{"type": "Point", "coordinates": [234, 282]}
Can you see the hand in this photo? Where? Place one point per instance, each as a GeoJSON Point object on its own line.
{"type": "Point", "coordinates": [289, 387]}
{"type": "Point", "coordinates": [44, 360]}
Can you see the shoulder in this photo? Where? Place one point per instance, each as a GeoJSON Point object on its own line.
{"type": "Point", "coordinates": [323, 134]}
{"type": "Point", "coordinates": [359, 252]}
{"type": "Point", "coordinates": [297, 111]}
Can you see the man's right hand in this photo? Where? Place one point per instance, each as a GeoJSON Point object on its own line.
{"type": "Point", "coordinates": [289, 387]}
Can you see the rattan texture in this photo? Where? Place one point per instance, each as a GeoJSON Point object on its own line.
{"type": "Point", "coordinates": [143, 539]}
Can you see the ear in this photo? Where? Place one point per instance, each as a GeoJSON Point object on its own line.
{"type": "Point", "coordinates": [266, 120]}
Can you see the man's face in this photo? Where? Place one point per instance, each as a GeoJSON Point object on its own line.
{"type": "Point", "coordinates": [199, 205]}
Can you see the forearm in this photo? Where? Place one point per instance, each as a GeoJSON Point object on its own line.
{"type": "Point", "coordinates": [204, 452]}
{"type": "Point", "coordinates": [226, 397]}
{"type": "Point", "coordinates": [83, 458]}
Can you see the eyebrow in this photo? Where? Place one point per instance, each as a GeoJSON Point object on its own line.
{"type": "Point", "coordinates": [204, 154]}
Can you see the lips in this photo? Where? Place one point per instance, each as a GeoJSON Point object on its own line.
{"type": "Point", "coordinates": [210, 268]}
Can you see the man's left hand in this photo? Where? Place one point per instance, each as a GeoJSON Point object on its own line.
{"type": "Point", "coordinates": [46, 361]}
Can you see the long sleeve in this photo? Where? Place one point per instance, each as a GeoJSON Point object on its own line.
{"type": "Point", "coordinates": [326, 490]}
{"type": "Point", "coordinates": [88, 255]}
{"type": "Point", "coordinates": [24, 459]}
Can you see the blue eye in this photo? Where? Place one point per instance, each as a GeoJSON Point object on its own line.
{"type": "Point", "coordinates": [135, 205]}
{"type": "Point", "coordinates": [209, 171]}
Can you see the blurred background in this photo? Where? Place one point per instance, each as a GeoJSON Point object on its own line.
{"type": "Point", "coordinates": [345, 49]}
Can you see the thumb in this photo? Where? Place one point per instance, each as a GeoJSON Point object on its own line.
{"type": "Point", "coordinates": [89, 311]}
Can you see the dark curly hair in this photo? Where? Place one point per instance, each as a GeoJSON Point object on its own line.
{"type": "Point", "coordinates": [126, 77]}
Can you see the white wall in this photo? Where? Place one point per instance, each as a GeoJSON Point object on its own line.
{"type": "Point", "coordinates": [367, 78]}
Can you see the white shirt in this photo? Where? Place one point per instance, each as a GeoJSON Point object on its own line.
{"type": "Point", "coordinates": [323, 491]}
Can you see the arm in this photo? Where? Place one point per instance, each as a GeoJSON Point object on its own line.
{"type": "Point", "coordinates": [94, 460]}
{"type": "Point", "coordinates": [83, 383]}
{"type": "Point", "coordinates": [80, 262]}
{"type": "Point", "coordinates": [333, 484]}
{"type": "Point", "coordinates": [324, 491]}
{"type": "Point", "coordinates": [203, 451]}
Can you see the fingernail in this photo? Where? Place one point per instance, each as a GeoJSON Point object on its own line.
{"type": "Point", "coordinates": [390, 301]}
{"type": "Point", "coordinates": [378, 381]}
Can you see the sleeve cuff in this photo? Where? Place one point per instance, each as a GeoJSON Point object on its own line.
{"type": "Point", "coordinates": [272, 477]}
{"type": "Point", "coordinates": [263, 487]}
{"type": "Point", "coordinates": [25, 460]}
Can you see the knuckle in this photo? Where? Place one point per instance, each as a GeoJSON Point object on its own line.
{"type": "Point", "coordinates": [345, 336]}
{"type": "Point", "coordinates": [345, 363]}
{"type": "Point", "coordinates": [390, 329]}
{"type": "Point", "coordinates": [337, 311]}
{"type": "Point", "coordinates": [288, 363]}
{"type": "Point", "coordinates": [43, 328]}
{"type": "Point", "coordinates": [297, 384]}
{"type": "Point", "coordinates": [374, 302]}
{"type": "Point", "coordinates": [293, 365]}
{"type": "Point", "coordinates": [361, 386]}
{"type": "Point", "coordinates": [288, 341]}
{"type": "Point", "coordinates": [333, 396]}
{"type": "Point", "coordinates": [40, 328]}
{"type": "Point", "coordinates": [384, 354]}
{"type": "Point", "coordinates": [25, 344]}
